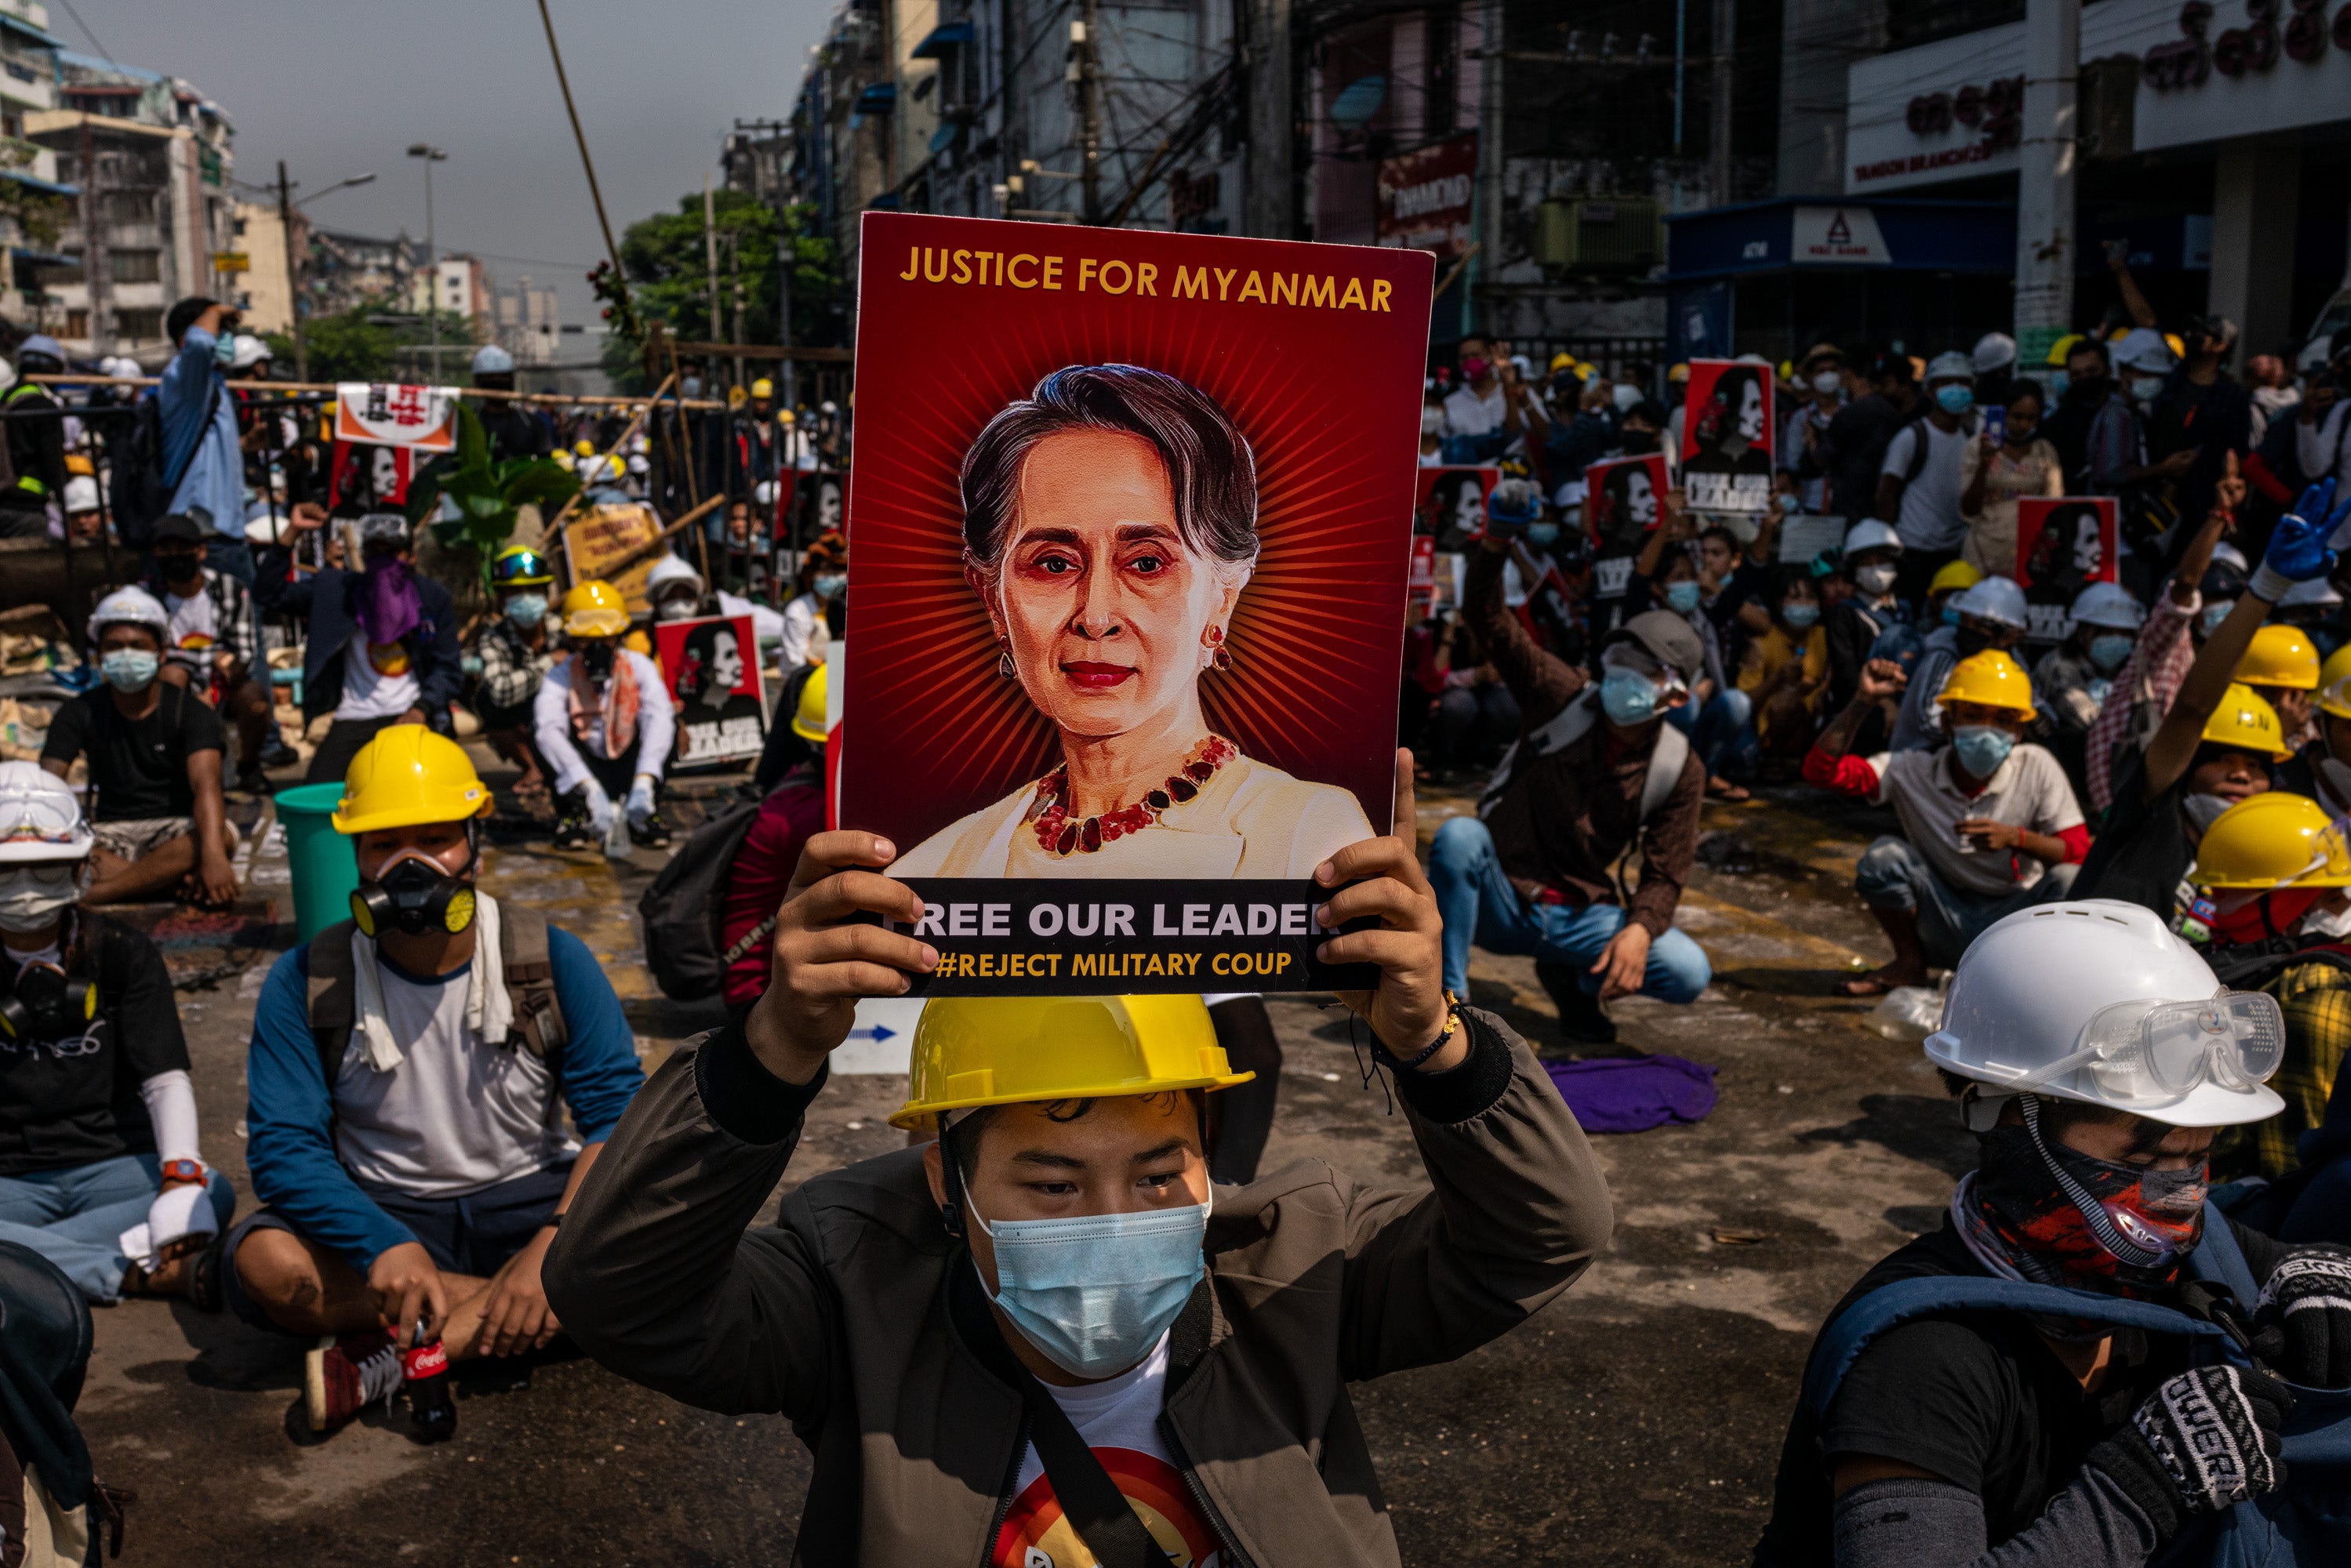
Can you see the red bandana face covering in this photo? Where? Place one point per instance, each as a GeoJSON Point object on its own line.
{"type": "Point", "coordinates": [2058, 1216]}
{"type": "Point", "coordinates": [2263, 915]}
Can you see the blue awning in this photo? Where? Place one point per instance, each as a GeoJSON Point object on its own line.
{"type": "Point", "coordinates": [17, 24]}
{"type": "Point", "coordinates": [879, 98]}
{"type": "Point", "coordinates": [945, 136]}
{"type": "Point", "coordinates": [51, 186]}
{"type": "Point", "coordinates": [938, 39]}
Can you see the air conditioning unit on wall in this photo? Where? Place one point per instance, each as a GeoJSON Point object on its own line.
{"type": "Point", "coordinates": [1601, 234]}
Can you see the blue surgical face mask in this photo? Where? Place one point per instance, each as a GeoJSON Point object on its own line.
{"type": "Point", "coordinates": [2109, 649]}
{"type": "Point", "coordinates": [1955, 399]}
{"type": "Point", "coordinates": [1094, 1292]}
{"type": "Point", "coordinates": [1982, 748]}
{"type": "Point", "coordinates": [1800, 615]}
{"type": "Point", "coordinates": [1950, 615]}
{"type": "Point", "coordinates": [1543, 536]}
{"type": "Point", "coordinates": [526, 609]}
{"type": "Point", "coordinates": [225, 351]}
{"type": "Point", "coordinates": [828, 583]}
{"type": "Point", "coordinates": [1682, 595]}
{"type": "Point", "coordinates": [1628, 697]}
{"type": "Point", "coordinates": [2216, 613]}
{"type": "Point", "coordinates": [2058, 382]}
{"type": "Point", "coordinates": [130, 669]}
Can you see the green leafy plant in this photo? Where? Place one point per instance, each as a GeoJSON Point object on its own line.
{"type": "Point", "coordinates": [484, 495]}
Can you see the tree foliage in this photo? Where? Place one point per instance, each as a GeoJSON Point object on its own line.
{"type": "Point", "coordinates": [484, 493]}
{"type": "Point", "coordinates": [668, 270]}
{"type": "Point", "coordinates": [363, 344]}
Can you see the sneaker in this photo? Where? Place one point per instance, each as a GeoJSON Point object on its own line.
{"type": "Point", "coordinates": [1582, 1019]}
{"type": "Point", "coordinates": [276, 753]}
{"type": "Point", "coordinates": [343, 1376]}
{"type": "Point", "coordinates": [654, 835]}
{"type": "Point", "coordinates": [572, 828]}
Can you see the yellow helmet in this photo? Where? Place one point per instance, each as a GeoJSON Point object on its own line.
{"type": "Point", "coordinates": [2334, 682]}
{"type": "Point", "coordinates": [807, 719]}
{"type": "Point", "coordinates": [584, 449]}
{"type": "Point", "coordinates": [1005, 1051]}
{"type": "Point", "coordinates": [2274, 840]}
{"type": "Point", "coordinates": [1678, 374]}
{"type": "Point", "coordinates": [2245, 720]}
{"type": "Point", "coordinates": [1562, 360]}
{"type": "Point", "coordinates": [2280, 656]}
{"type": "Point", "coordinates": [1991, 679]}
{"type": "Point", "coordinates": [2063, 349]}
{"type": "Point", "coordinates": [595, 609]}
{"type": "Point", "coordinates": [408, 776]}
{"type": "Point", "coordinates": [763, 387]}
{"type": "Point", "coordinates": [1955, 574]}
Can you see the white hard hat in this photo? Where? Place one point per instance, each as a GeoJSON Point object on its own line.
{"type": "Point", "coordinates": [669, 571]}
{"type": "Point", "coordinates": [2227, 554]}
{"type": "Point", "coordinates": [2143, 348]}
{"type": "Point", "coordinates": [489, 359]}
{"type": "Point", "coordinates": [81, 494]}
{"type": "Point", "coordinates": [2108, 604]}
{"type": "Point", "coordinates": [764, 492]}
{"type": "Point", "coordinates": [1993, 349]}
{"type": "Point", "coordinates": [637, 464]}
{"type": "Point", "coordinates": [41, 819]}
{"type": "Point", "coordinates": [641, 443]}
{"type": "Point", "coordinates": [2028, 991]}
{"type": "Point", "coordinates": [1871, 534]}
{"type": "Point", "coordinates": [2312, 591]}
{"type": "Point", "coordinates": [131, 606]}
{"type": "Point", "coordinates": [1951, 365]}
{"type": "Point", "coordinates": [1994, 599]}
{"type": "Point", "coordinates": [247, 351]}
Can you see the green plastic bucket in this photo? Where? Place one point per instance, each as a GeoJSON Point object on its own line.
{"type": "Point", "coordinates": [325, 871]}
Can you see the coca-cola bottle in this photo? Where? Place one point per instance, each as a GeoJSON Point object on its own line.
{"type": "Point", "coordinates": [426, 1367]}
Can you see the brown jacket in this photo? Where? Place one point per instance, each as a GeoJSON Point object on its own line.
{"type": "Point", "coordinates": [1566, 819]}
{"type": "Point", "coordinates": [841, 1317]}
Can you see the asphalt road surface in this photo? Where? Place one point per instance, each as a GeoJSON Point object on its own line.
{"type": "Point", "coordinates": [1636, 1421]}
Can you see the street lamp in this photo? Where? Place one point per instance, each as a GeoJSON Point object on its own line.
{"type": "Point", "coordinates": [431, 155]}
{"type": "Point", "coordinates": [286, 208]}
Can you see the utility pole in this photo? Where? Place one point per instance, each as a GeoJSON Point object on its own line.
{"type": "Point", "coordinates": [786, 250]}
{"type": "Point", "coordinates": [1490, 155]}
{"type": "Point", "coordinates": [293, 273]}
{"type": "Point", "coordinates": [1089, 64]}
{"type": "Point", "coordinates": [93, 247]}
{"type": "Point", "coordinates": [431, 155]}
{"type": "Point", "coordinates": [2045, 237]}
{"type": "Point", "coordinates": [710, 259]}
{"type": "Point", "coordinates": [735, 265]}
{"type": "Point", "coordinates": [1718, 141]}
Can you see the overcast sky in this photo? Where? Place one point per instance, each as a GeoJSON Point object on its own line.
{"type": "Point", "coordinates": [338, 88]}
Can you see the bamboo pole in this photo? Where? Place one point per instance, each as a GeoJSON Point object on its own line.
{"type": "Point", "coordinates": [592, 400]}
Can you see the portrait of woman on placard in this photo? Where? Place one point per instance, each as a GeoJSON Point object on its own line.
{"type": "Point", "coordinates": [1731, 434]}
{"type": "Point", "coordinates": [2068, 555]}
{"type": "Point", "coordinates": [710, 669]}
{"type": "Point", "coordinates": [1110, 528]}
{"type": "Point", "coordinates": [1629, 508]}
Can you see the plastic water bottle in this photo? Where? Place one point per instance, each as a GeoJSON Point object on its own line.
{"type": "Point", "coordinates": [425, 1364]}
{"type": "Point", "coordinates": [616, 837]}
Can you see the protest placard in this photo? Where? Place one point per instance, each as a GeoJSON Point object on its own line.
{"type": "Point", "coordinates": [2063, 545]}
{"type": "Point", "coordinates": [1727, 437]}
{"type": "Point", "coordinates": [375, 413]}
{"type": "Point", "coordinates": [1129, 592]}
{"type": "Point", "coordinates": [1450, 502]}
{"type": "Point", "coordinates": [712, 669]}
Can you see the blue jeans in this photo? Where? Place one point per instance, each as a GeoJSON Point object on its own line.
{"type": "Point", "coordinates": [1893, 875]}
{"type": "Point", "coordinates": [1479, 905]}
{"type": "Point", "coordinates": [1722, 733]}
{"type": "Point", "coordinates": [76, 1217]}
{"type": "Point", "coordinates": [230, 558]}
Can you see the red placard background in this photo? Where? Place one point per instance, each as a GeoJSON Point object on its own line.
{"type": "Point", "coordinates": [1600, 505]}
{"type": "Point", "coordinates": [1704, 419]}
{"type": "Point", "coordinates": [1329, 401]}
{"type": "Point", "coordinates": [2032, 515]}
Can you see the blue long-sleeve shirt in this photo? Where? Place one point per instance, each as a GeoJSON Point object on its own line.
{"type": "Point", "coordinates": [290, 1109]}
{"type": "Point", "coordinates": [212, 477]}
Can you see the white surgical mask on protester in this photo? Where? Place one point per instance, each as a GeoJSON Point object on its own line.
{"type": "Point", "coordinates": [32, 896]}
{"type": "Point", "coordinates": [1827, 381]}
{"type": "Point", "coordinates": [2146, 389]}
{"type": "Point", "coordinates": [2204, 810]}
{"type": "Point", "coordinates": [1874, 579]}
{"type": "Point", "coordinates": [1626, 396]}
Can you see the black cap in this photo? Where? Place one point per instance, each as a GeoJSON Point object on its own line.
{"type": "Point", "coordinates": [179, 526]}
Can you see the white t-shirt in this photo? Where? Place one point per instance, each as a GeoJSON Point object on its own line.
{"type": "Point", "coordinates": [1467, 413]}
{"type": "Point", "coordinates": [2028, 790]}
{"type": "Point", "coordinates": [1515, 587]}
{"type": "Point", "coordinates": [804, 633]}
{"type": "Point", "coordinates": [1119, 1419]}
{"type": "Point", "coordinates": [1930, 517]}
{"type": "Point", "coordinates": [456, 1115]}
{"type": "Point", "coordinates": [192, 627]}
{"type": "Point", "coordinates": [2323, 445]}
{"type": "Point", "coordinates": [379, 679]}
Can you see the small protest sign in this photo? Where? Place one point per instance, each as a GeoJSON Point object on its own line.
{"type": "Point", "coordinates": [1727, 437]}
{"type": "Point", "coordinates": [712, 669]}
{"type": "Point", "coordinates": [2063, 544]}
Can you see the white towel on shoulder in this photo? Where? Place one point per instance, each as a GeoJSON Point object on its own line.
{"type": "Point", "coordinates": [489, 1011]}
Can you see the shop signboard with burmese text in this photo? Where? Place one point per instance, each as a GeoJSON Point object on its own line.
{"type": "Point", "coordinates": [1130, 591]}
{"type": "Point", "coordinates": [2063, 544]}
{"type": "Point", "coordinates": [1727, 437]}
{"type": "Point", "coordinates": [1426, 196]}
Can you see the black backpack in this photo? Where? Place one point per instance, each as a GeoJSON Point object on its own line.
{"type": "Point", "coordinates": [682, 909]}
{"type": "Point", "coordinates": [142, 487]}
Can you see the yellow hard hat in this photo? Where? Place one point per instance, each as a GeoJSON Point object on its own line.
{"type": "Point", "coordinates": [2246, 721]}
{"type": "Point", "coordinates": [735, 396]}
{"type": "Point", "coordinates": [2334, 682]}
{"type": "Point", "coordinates": [1679, 374]}
{"type": "Point", "coordinates": [1562, 360]}
{"type": "Point", "coordinates": [595, 609]}
{"type": "Point", "coordinates": [1954, 574]}
{"type": "Point", "coordinates": [1787, 370]}
{"type": "Point", "coordinates": [2178, 350]}
{"type": "Point", "coordinates": [807, 719]}
{"type": "Point", "coordinates": [763, 387]}
{"type": "Point", "coordinates": [584, 449]}
{"type": "Point", "coordinates": [1005, 1051]}
{"type": "Point", "coordinates": [1991, 679]}
{"type": "Point", "coordinates": [408, 776]}
{"type": "Point", "coordinates": [2063, 349]}
{"type": "Point", "coordinates": [636, 641]}
{"type": "Point", "coordinates": [2274, 840]}
{"type": "Point", "coordinates": [2280, 656]}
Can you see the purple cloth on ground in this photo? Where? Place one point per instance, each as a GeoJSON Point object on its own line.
{"type": "Point", "coordinates": [1633, 1093]}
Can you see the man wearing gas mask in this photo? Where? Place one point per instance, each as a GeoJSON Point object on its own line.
{"type": "Point", "coordinates": [604, 721]}
{"type": "Point", "coordinates": [99, 1172]}
{"type": "Point", "coordinates": [1043, 1337]}
{"type": "Point", "coordinates": [383, 641]}
{"type": "Point", "coordinates": [155, 750]}
{"type": "Point", "coordinates": [402, 1084]}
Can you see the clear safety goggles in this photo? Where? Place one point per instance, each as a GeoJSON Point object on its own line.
{"type": "Point", "coordinates": [39, 819]}
{"type": "Point", "coordinates": [2153, 1053]}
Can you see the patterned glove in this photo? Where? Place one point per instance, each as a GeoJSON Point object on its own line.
{"type": "Point", "coordinates": [2298, 547]}
{"type": "Point", "coordinates": [2202, 1441]}
{"type": "Point", "coordinates": [2308, 1297]}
